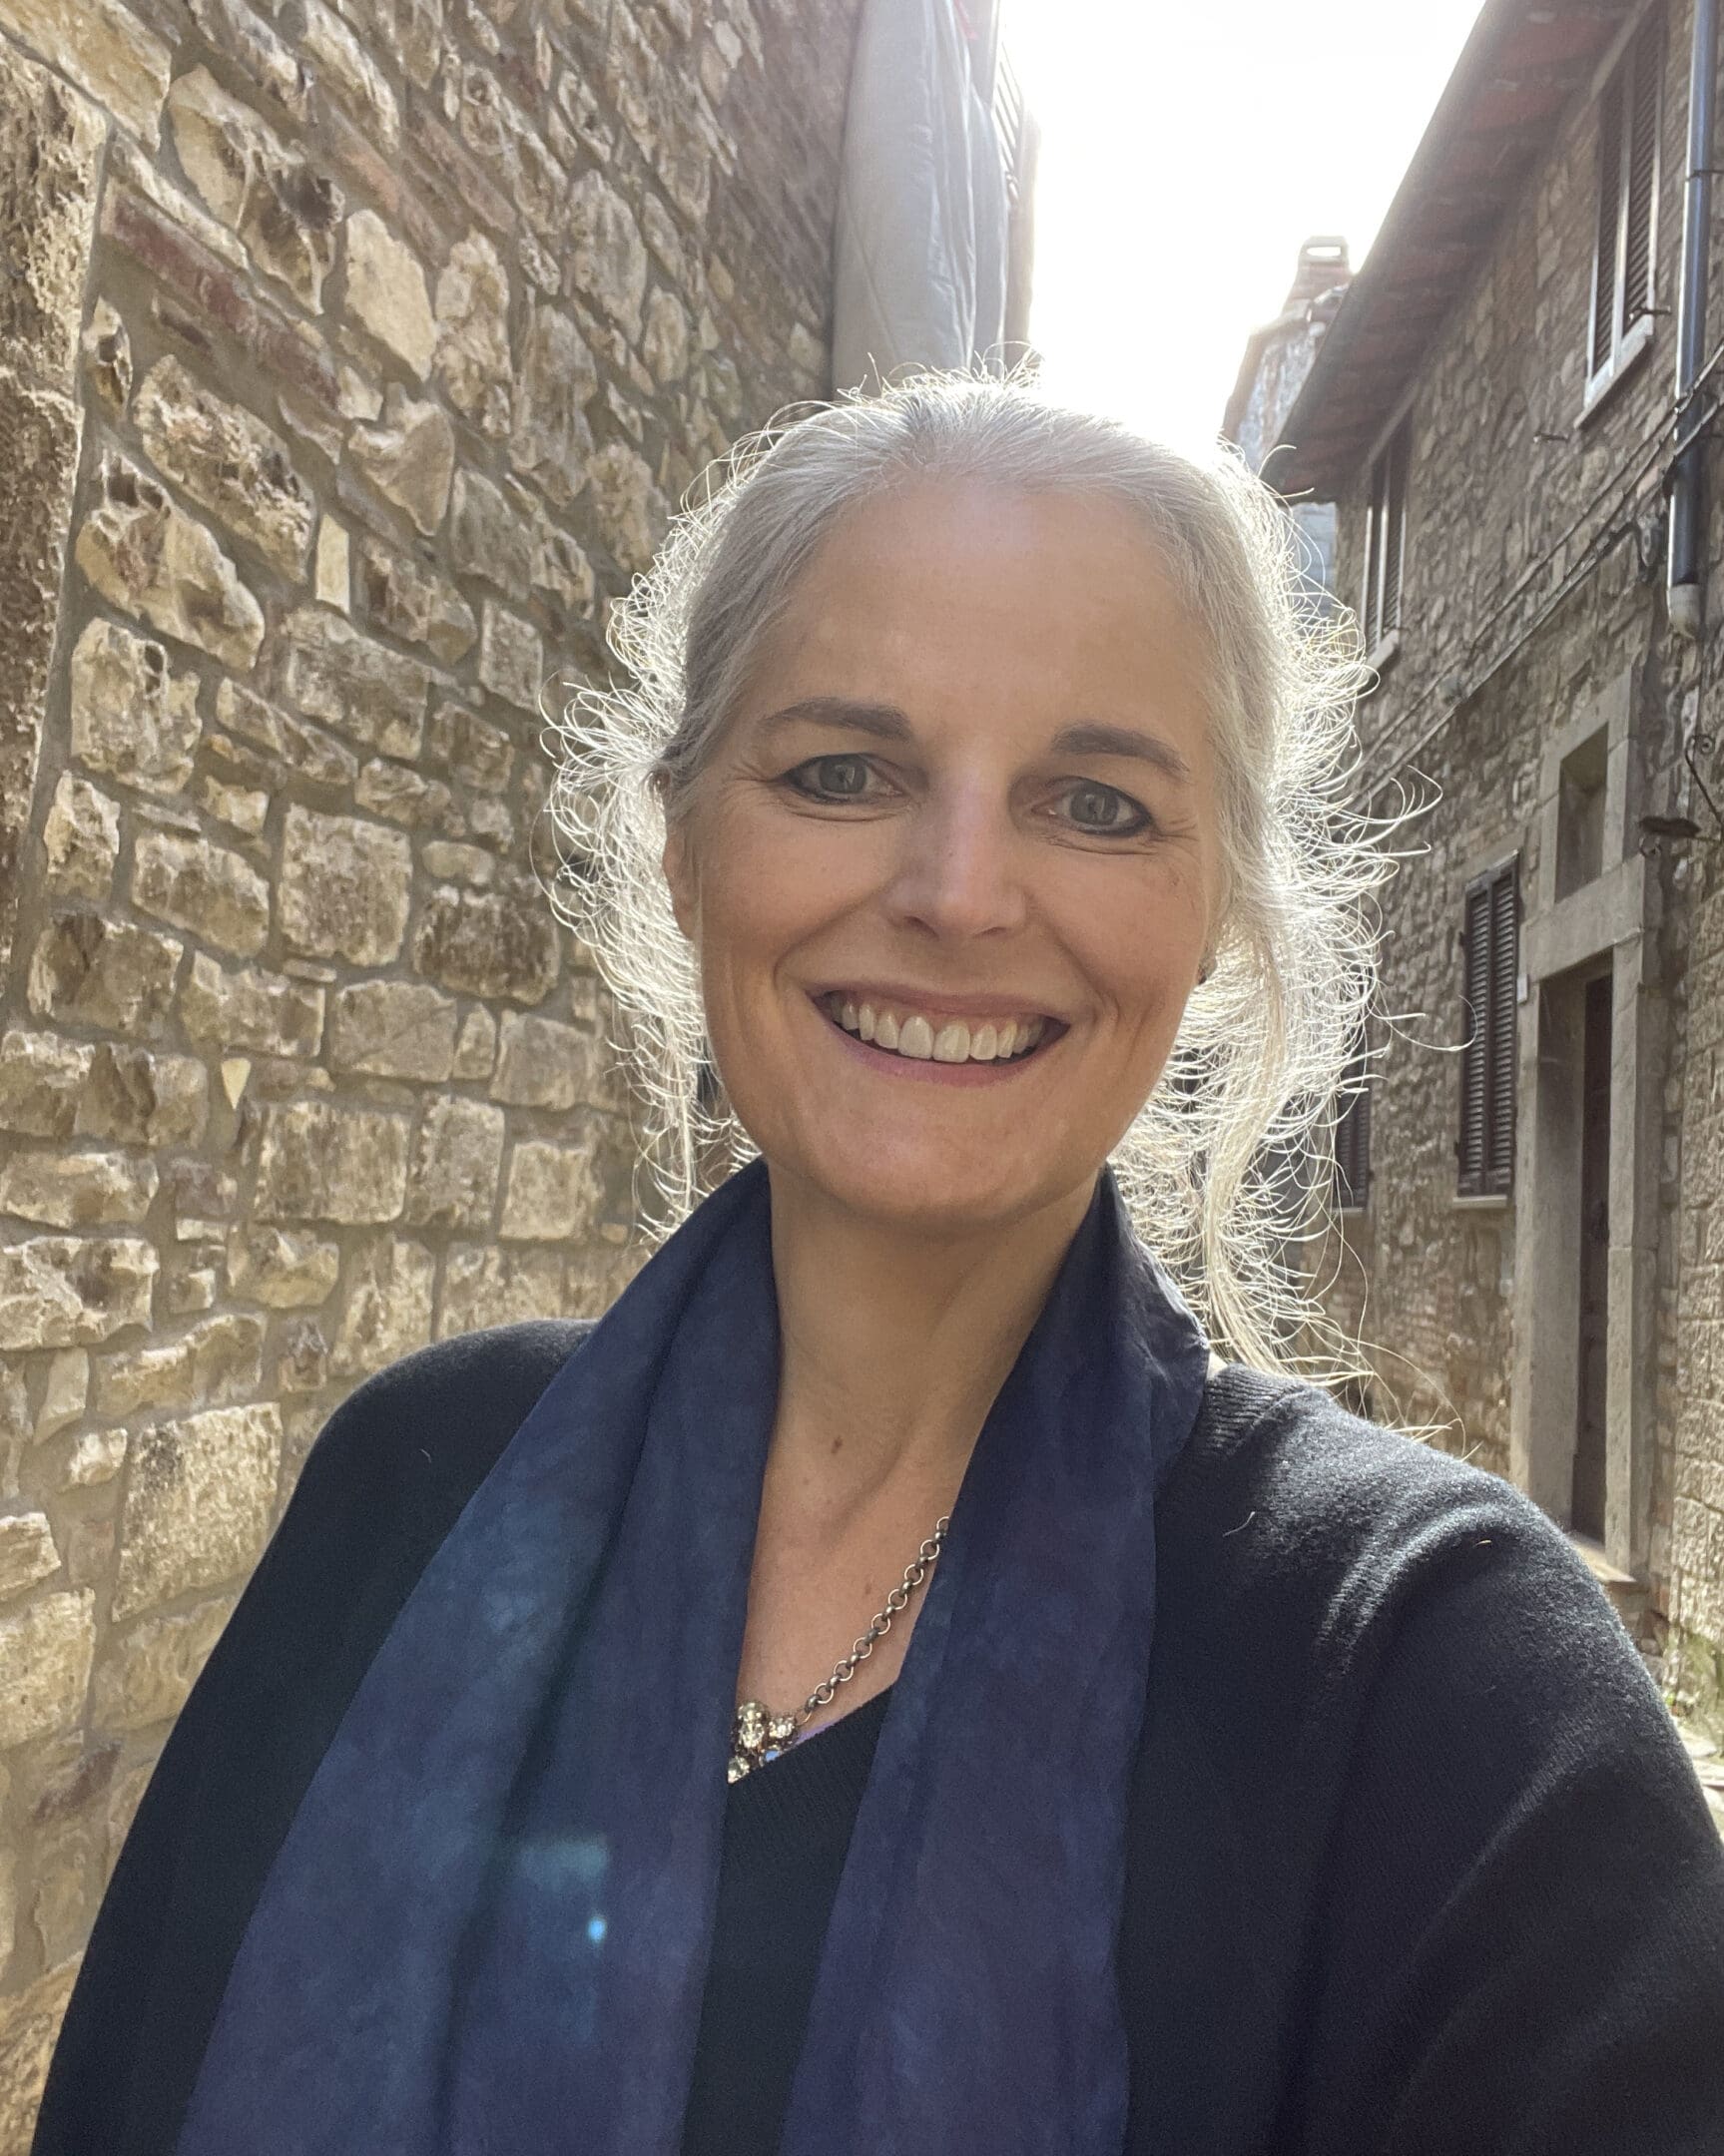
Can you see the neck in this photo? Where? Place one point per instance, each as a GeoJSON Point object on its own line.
{"type": "Point", "coordinates": [895, 1342]}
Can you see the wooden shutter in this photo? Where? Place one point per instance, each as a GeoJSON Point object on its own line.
{"type": "Point", "coordinates": [1641, 106]}
{"type": "Point", "coordinates": [1386, 538]}
{"type": "Point", "coordinates": [1475, 1015]}
{"type": "Point", "coordinates": [1504, 969]}
{"type": "Point", "coordinates": [1352, 1135]}
{"type": "Point", "coordinates": [1604, 281]}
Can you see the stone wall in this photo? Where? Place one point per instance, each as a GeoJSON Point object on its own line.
{"type": "Point", "coordinates": [351, 355]}
{"type": "Point", "coordinates": [1532, 583]}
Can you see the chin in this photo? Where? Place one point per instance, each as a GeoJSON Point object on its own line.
{"type": "Point", "coordinates": [929, 1192]}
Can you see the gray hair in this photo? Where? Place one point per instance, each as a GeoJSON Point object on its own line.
{"type": "Point", "coordinates": [1225, 1168]}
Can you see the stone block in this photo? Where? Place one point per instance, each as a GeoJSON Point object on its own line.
{"type": "Point", "coordinates": [318, 1162]}
{"type": "Point", "coordinates": [555, 1192]}
{"type": "Point", "coordinates": [549, 438]}
{"type": "Point", "coordinates": [245, 808]}
{"type": "Point", "coordinates": [665, 345]}
{"type": "Point", "coordinates": [607, 256]}
{"type": "Point", "coordinates": [96, 1457]}
{"type": "Point", "coordinates": [457, 1159]}
{"type": "Point", "coordinates": [306, 749]}
{"type": "Point", "coordinates": [334, 583]}
{"type": "Point", "coordinates": [486, 1286]}
{"type": "Point", "coordinates": [72, 1290]}
{"type": "Point", "coordinates": [91, 971]}
{"type": "Point", "coordinates": [147, 1670]}
{"type": "Point", "coordinates": [543, 1063]}
{"type": "Point", "coordinates": [246, 1007]}
{"type": "Point", "coordinates": [472, 359]}
{"type": "Point", "coordinates": [561, 567]}
{"type": "Point", "coordinates": [303, 1362]}
{"type": "Point", "coordinates": [144, 553]}
{"type": "Point", "coordinates": [387, 293]}
{"type": "Point", "coordinates": [45, 1650]}
{"type": "Point", "coordinates": [488, 537]}
{"type": "Point", "coordinates": [279, 1270]}
{"type": "Point", "coordinates": [386, 1312]}
{"type": "Point", "coordinates": [230, 463]}
{"type": "Point", "coordinates": [343, 65]}
{"type": "Point", "coordinates": [106, 50]}
{"type": "Point", "coordinates": [392, 1029]}
{"type": "Point", "coordinates": [488, 943]}
{"type": "Point", "coordinates": [213, 1362]}
{"type": "Point", "coordinates": [409, 456]}
{"type": "Point", "coordinates": [200, 1500]}
{"type": "Point", "coordinates": [41, 1077]}
{"type": "Point", "coordinates": [472, 748]}
{"type": "Point", "coordinates": [397, 792]}
{"type": "Point", "coordinates": [81, 838]}
{"type": "Point", "coordinates": [130, 716]}
{"type": "Point", "coordinates": [65, 1392]}
{"type": "Point", "coordinates": [452, 863]}
{"type": "Point", "coordinates": [414, 604]}
{"type": "Point", "coordinates": [631, 513]}
{"type": "Point", "coordinates": [77, 1190]}
{"type": "Point", "coordinates": [205, 889]}
{"type": "Point", "coordinates": [27, 1552]}
{"type": "Point", "coordinates": [511, 657]}
{"type": "Point", "coordinates": [476, 1050]}
{"type": "Point", "coordinates": [344, 887]}
{"type": "Point", "coordinates": [48, 174]}
{"type": "Point", "coordinates": [142, 1097]}
{"type": "Point", "coordinates": [264, 61]}
{"type": "Point", "coordinates": [334, 671]}
{"type": "Point", "coordinates": [29, 2024]}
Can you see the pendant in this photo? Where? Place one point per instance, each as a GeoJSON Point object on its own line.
{"type": "Point", "coordinates": [755, 1737]}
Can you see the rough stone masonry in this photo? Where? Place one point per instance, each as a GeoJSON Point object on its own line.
{"type": "Point", "coordinates": [352, 354]}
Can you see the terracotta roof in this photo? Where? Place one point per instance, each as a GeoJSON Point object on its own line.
{"type": "Point", "coordinates": [1494, 120]}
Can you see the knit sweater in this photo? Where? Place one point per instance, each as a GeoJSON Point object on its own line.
{"type": "Point", "coordinates": [1416, 1863]}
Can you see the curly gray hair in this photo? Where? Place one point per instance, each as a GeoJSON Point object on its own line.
{"type": "Point", "coordinates": [1225, 1168]}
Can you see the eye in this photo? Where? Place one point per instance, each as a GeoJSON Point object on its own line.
{"type": "Point", "coordinates": [832, 777]}
{"type": "Point", "coordinates": [1103, 809]}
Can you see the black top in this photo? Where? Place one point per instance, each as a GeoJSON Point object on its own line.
{"type": "Point", "coordinates": [1416, 1865]}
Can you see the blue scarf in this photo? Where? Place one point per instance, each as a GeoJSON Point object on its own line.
{"type": "Point", "coordinates": [487, 1928]}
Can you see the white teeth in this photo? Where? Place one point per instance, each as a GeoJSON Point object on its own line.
{"type": "Point", "coordinates": [917, 1039]}
{"type": "Point", "coordinates": [1007, 1039]}
{"type": "Point", "coordinates": [847, 1018]}
{"type": "Point", "coordinates": [865, 1021]}
{"type": "Point", "coordinates": [886, 1031]}
{"type": "Point", "coordinates": [916, 1036]}
{"type": "Point", "coordinates": [951, 1043]}
{"type": "Point", "coordinates": [984, 1044]}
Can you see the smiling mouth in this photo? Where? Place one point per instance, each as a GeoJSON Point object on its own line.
{"type": "Point", "coordinates": [932, 1037]}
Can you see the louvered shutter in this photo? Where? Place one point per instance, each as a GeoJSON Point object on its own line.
{"type": "Point", "coordinates": [1395, 533]}
{"type": "Point", "coordinates": [1475, 1019]}
{"type": "Point", "coordinates": [1505, 967]}
{"type": "Point", "coordinates": [1352, 1135]}
{"type": "Point", "coordinates": [1604, 288]}
{"type": "Point", "coordinates": [1642, 102]}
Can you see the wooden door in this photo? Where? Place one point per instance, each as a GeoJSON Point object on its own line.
{"type": "Point", "coordinates": [1587, 1511]}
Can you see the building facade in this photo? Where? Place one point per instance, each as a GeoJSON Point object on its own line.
{"type": "Point", "coordinates": [1531, 1181]}
{"type": "Point", "coordinates": [351, 355]}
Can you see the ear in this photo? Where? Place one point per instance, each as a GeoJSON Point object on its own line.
{"type": "Point", "coordinates": [679, 877]}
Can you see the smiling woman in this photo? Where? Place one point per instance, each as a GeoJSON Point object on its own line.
{"type": "Point", "coordinates": [1209, 1770]}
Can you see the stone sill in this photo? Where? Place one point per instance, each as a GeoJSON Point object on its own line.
{"type": "Point", "coordinates": [1483, 1202]}
{"type": "Point", "coordinates": [1635, 345]}
{"type": "Point", "coordinates": [1381, 657]}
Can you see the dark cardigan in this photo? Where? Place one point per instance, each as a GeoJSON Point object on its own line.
{"type": "Point", "coordinates": [1417, 1865]}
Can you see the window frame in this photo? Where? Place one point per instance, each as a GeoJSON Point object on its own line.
{"type": "Point", "coordinates": [1621, 104]}
{"type": "Point", "coordinates": [1490, 975]}
{"type": "Point", "coordinates": [1388, 477]}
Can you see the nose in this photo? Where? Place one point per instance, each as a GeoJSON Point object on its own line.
{"type": "Point", "coordinates": [959, 872]}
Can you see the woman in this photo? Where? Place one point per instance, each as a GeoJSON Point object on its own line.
{"type": "Point", "coordinates": [1218, 1773]}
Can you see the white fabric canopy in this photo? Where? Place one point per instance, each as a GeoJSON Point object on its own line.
{"type": "Point", "coordinates": [921, 220]}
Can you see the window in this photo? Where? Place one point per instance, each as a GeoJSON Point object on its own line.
{"type": "Point", "coordinates": [1352, 1135]}
{"type": "Point", "coordinates": [1623, 260]}
{"type": "Point", "coordinates": [1386, 537]}
{"type": "Point", "coordinates": [1490, 942]}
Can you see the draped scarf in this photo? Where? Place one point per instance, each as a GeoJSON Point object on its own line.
{"type": "Point", "coordinates": [486, 1931]}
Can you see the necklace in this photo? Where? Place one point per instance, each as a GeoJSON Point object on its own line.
{"type": "Point", "coordinates": [758, 1735]}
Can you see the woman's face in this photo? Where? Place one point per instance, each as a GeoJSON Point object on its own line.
{"type": "Point", "coordinates": [967, 806]}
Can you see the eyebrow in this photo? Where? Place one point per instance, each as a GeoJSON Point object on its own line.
{"type": "Point", "coordinates": [886, 723]}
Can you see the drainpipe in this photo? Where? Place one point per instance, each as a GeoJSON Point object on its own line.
{"type": "Point", "coordinates": [1687, 529]}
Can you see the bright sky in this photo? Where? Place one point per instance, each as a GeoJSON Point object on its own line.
{"type": "Point", "coordinates": [1187, 150]}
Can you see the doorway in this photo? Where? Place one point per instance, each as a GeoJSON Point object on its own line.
{"type": "Point", "coordinates": [1591, 1425]}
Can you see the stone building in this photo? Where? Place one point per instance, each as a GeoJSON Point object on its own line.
{"type": "Point", "coordinates": [351, 355]}
{"type": "Point", "coordinates": [1531, 1234]}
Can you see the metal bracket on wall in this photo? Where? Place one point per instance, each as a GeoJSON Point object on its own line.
{"type": "Point", "coordinates": [1685, 828]}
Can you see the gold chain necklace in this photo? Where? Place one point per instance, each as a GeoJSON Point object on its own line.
{"type": "Point", "coordinates": [756, 1735]}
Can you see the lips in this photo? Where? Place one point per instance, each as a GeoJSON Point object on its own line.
{"type": "Point", "coordinates": [928, 1034]}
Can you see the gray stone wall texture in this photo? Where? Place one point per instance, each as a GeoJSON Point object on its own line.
{"type": "Point", "coordinates": [1512, 493]}
{"type": "Point", "coordinates": [351, 353]}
